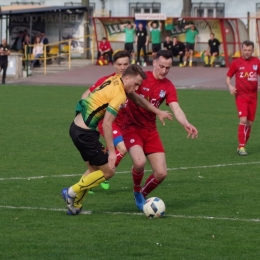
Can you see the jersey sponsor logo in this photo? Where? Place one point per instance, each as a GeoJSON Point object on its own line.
{"type": "Point", "coordinates": [162, 93]}
{"type": "Point", "coordinates": [255, 67]}
{"type": "Point", "coordinates": [251, 76]}
{"type": "Point", "coordinates": [103, 85]}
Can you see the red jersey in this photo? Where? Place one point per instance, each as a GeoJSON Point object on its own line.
{"type": "Point", "coordinates": [104, 46]}
{"type": "Point", "coordinates": [155, 91]}
{"type": "Point", "coordinates": [246, 73]}
{"type": "Point", "coordinates": [122, 111]}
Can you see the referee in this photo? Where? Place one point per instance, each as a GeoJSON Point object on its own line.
{"type": "Point", "coordinates": [4, 52]}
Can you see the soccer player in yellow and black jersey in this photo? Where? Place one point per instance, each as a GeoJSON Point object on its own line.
{"type": "Point", "coordinates": [103, 102]}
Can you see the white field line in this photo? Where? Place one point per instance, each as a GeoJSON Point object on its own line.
{"type": "Point", "coordinates": [133, 214]}
{"type": "Point", "coordinates": [122, 172]}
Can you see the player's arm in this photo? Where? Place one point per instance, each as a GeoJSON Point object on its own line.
{"type": "Point", "coordinates": [231, 88]}
{"type": "Point", "coordinates": [142, 102]}
{"type": "Point", "coordinates": [187, 26]}
{"type": "Point", "coordinates": [181, 118]}
{"type": "Point", "coordinates": [160, 25]}
{"type": "Point", "coordinates": [149, 24]}
{"type": "Point", "coordinates": [108, 135]}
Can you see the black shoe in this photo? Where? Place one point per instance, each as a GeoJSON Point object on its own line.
{"type": "Point", "coordinates": [3, 82]}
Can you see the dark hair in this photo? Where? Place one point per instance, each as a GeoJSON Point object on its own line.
{"type": "Point", "coordinates": [212, 34]}
{"type": "Point", "coordinates": [165, 53]}
{"type": "Point", "coordinates": [134, 70]}
{"type": "Point", "coordinates": [248, 43]}
{"type": "Point", "coordinates": [121, 54]}
{"type": "Point", "coordinates": [104, 38]}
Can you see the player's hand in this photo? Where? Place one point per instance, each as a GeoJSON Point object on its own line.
{"type": "Point", "coordinates": [232, 90]}
{"type": "Point", "coordinates": [111, 159]}
{"type": "Point", "coordinates": [164, 115]}
{"type": "Point", "coordinates": [192, 131]}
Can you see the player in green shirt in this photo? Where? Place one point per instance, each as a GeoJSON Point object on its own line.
{"type": "Point", "coordinates": [155, 32]}
{"type": "Point", "coordinates": [191, 40]}
{"type": "Point", "coordinates": [129, 29]}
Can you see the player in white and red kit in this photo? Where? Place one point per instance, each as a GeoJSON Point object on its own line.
{"type": "Point", "coordinates": [140, 133]}
{"type": "Point", "coordinates": [246, 70]}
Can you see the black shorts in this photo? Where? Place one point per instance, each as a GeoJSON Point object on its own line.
{"type": "Point", "coordinates": [88, 144]}
{"type": "Point", "coordinates": [129, 46]}
{"type": "Point", "coordinates": [189, 46]}
{"type": "Point", "coordinates": [156, 47]}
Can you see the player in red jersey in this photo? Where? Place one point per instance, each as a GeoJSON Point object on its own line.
{"type": "Point", "coordinates": [246, 70]}
{"type": "Point", "coordinates": [140, 133]}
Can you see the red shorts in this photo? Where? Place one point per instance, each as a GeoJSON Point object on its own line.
{"type": "Point", "coordinates": [246, 107]}
{"type": "Point", "coordinates": [117, 133]}
{"type": "Point", "coordinates": [149, 140]}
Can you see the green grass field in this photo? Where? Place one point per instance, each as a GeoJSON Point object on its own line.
{"type": "Point", "coordinates": [211, 193]}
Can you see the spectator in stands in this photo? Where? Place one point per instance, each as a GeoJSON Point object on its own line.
{"type": "Point", "coordinates": [129, 29]}
{"type": "Point", "coordinates": [44, 41]}
{"type": "Point", "coordinates": [4, 53]}
{"type": "Point", "coordinates": [37, 49]}
{"type": "Point", "coordinates": [105, 49]}
{"type": "Point", "coordinates": [191, 40]}
{"type": "Point", "coordinates": [212, 52]}
{"type": "Point", "coordinates": [26, 44]}
{"type": "Point", "coordinates": [178, 49]}
{"type": "Point", "coordinates": [167, 45]}
{"type": "Point", "coordinates": [155, 31]}
{"type": "Point", "coordinates": [18, 42]}
{"type": "Point", "coordinates": [141, 40]}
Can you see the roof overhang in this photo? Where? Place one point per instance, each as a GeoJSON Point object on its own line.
{"type": "Point", "coordinates": [40, 9]}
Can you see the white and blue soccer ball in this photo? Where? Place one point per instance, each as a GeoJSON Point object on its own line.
{"type": "Point", "coordinates": [154, 207]}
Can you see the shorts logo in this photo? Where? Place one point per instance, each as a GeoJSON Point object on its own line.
{"type": "Point", "coordinates": [114, 132]}
{"type": "Point", "coordinates": [132, 141]}
{"type": "Point", "coordinates": [240, 113]}
{"type": "Point", "coordinates": [162, 94]}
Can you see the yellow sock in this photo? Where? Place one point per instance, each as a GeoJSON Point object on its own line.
{"type": "Point", "coordinates": [90, 181]}
{"type": "Point", "coordinates": [212, 60]}
{"type": "Point", "coordinates": [206, 59]}
{"type": "Point", "coordinates": [184, 63]}
{"type": "Point", "coordinates": [81, 195]}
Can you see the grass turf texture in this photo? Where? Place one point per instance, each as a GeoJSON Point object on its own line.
{"type": "Point", "coordinates": [211, 193]}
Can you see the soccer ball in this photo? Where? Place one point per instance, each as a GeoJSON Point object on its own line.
{"type": "Point", "coordinates": [154, 207]}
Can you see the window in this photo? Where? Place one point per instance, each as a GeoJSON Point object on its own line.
{"type": "Point", "coordinates": [212, 10]}
{"type": "Point", "coordinates": [258, 7]}
{"type": "Point", "coordinates": [144, 8]}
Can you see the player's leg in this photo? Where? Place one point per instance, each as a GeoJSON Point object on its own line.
{"type": "Point", "coordinates": [138, 158]}
{"type": "Point", "coordinates": [242, 109]}
{"type": "Point", "coordinates": [138, 53]}
{"type": "Point", "coordinates": [252, 106]}
{"type": "Point", "coordinates": [154, 151]}
{"type": "Point", "coordinates": [158, 163]}
{"type": "Point", "coordinates": [206, 58]}
{"type": "Point", "coordinates": [213, 57]}
{"type": "Point", "coordinates": [132, 53]}
{"type": "Point", "coordinates": [145, 55]}
{"type": "Point", "coordinates": [4, 72]}
{"type": "Point", "coordinates": [92, 151]}
{"type": "Point", "coordinates": [191, 55]}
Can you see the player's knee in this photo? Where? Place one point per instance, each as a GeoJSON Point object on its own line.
{"type": "Point", "coordinates": [109, 174]}
{"type": "Point", "coordinates": [139, 164]}
{"type": "Point", "coordinates": [160, 175]}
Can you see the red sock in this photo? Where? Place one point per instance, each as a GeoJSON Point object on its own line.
{"type": "Point", "coordinates": [119, 157]}
{"type": "Point", "coordinates": [248, 131]}
{"type": "Point", "coordinates": [241, 135]}
{"type": "Point", "coordinates": [137, 179]}
{"type": "Point", "coordinates": [150, 184]}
